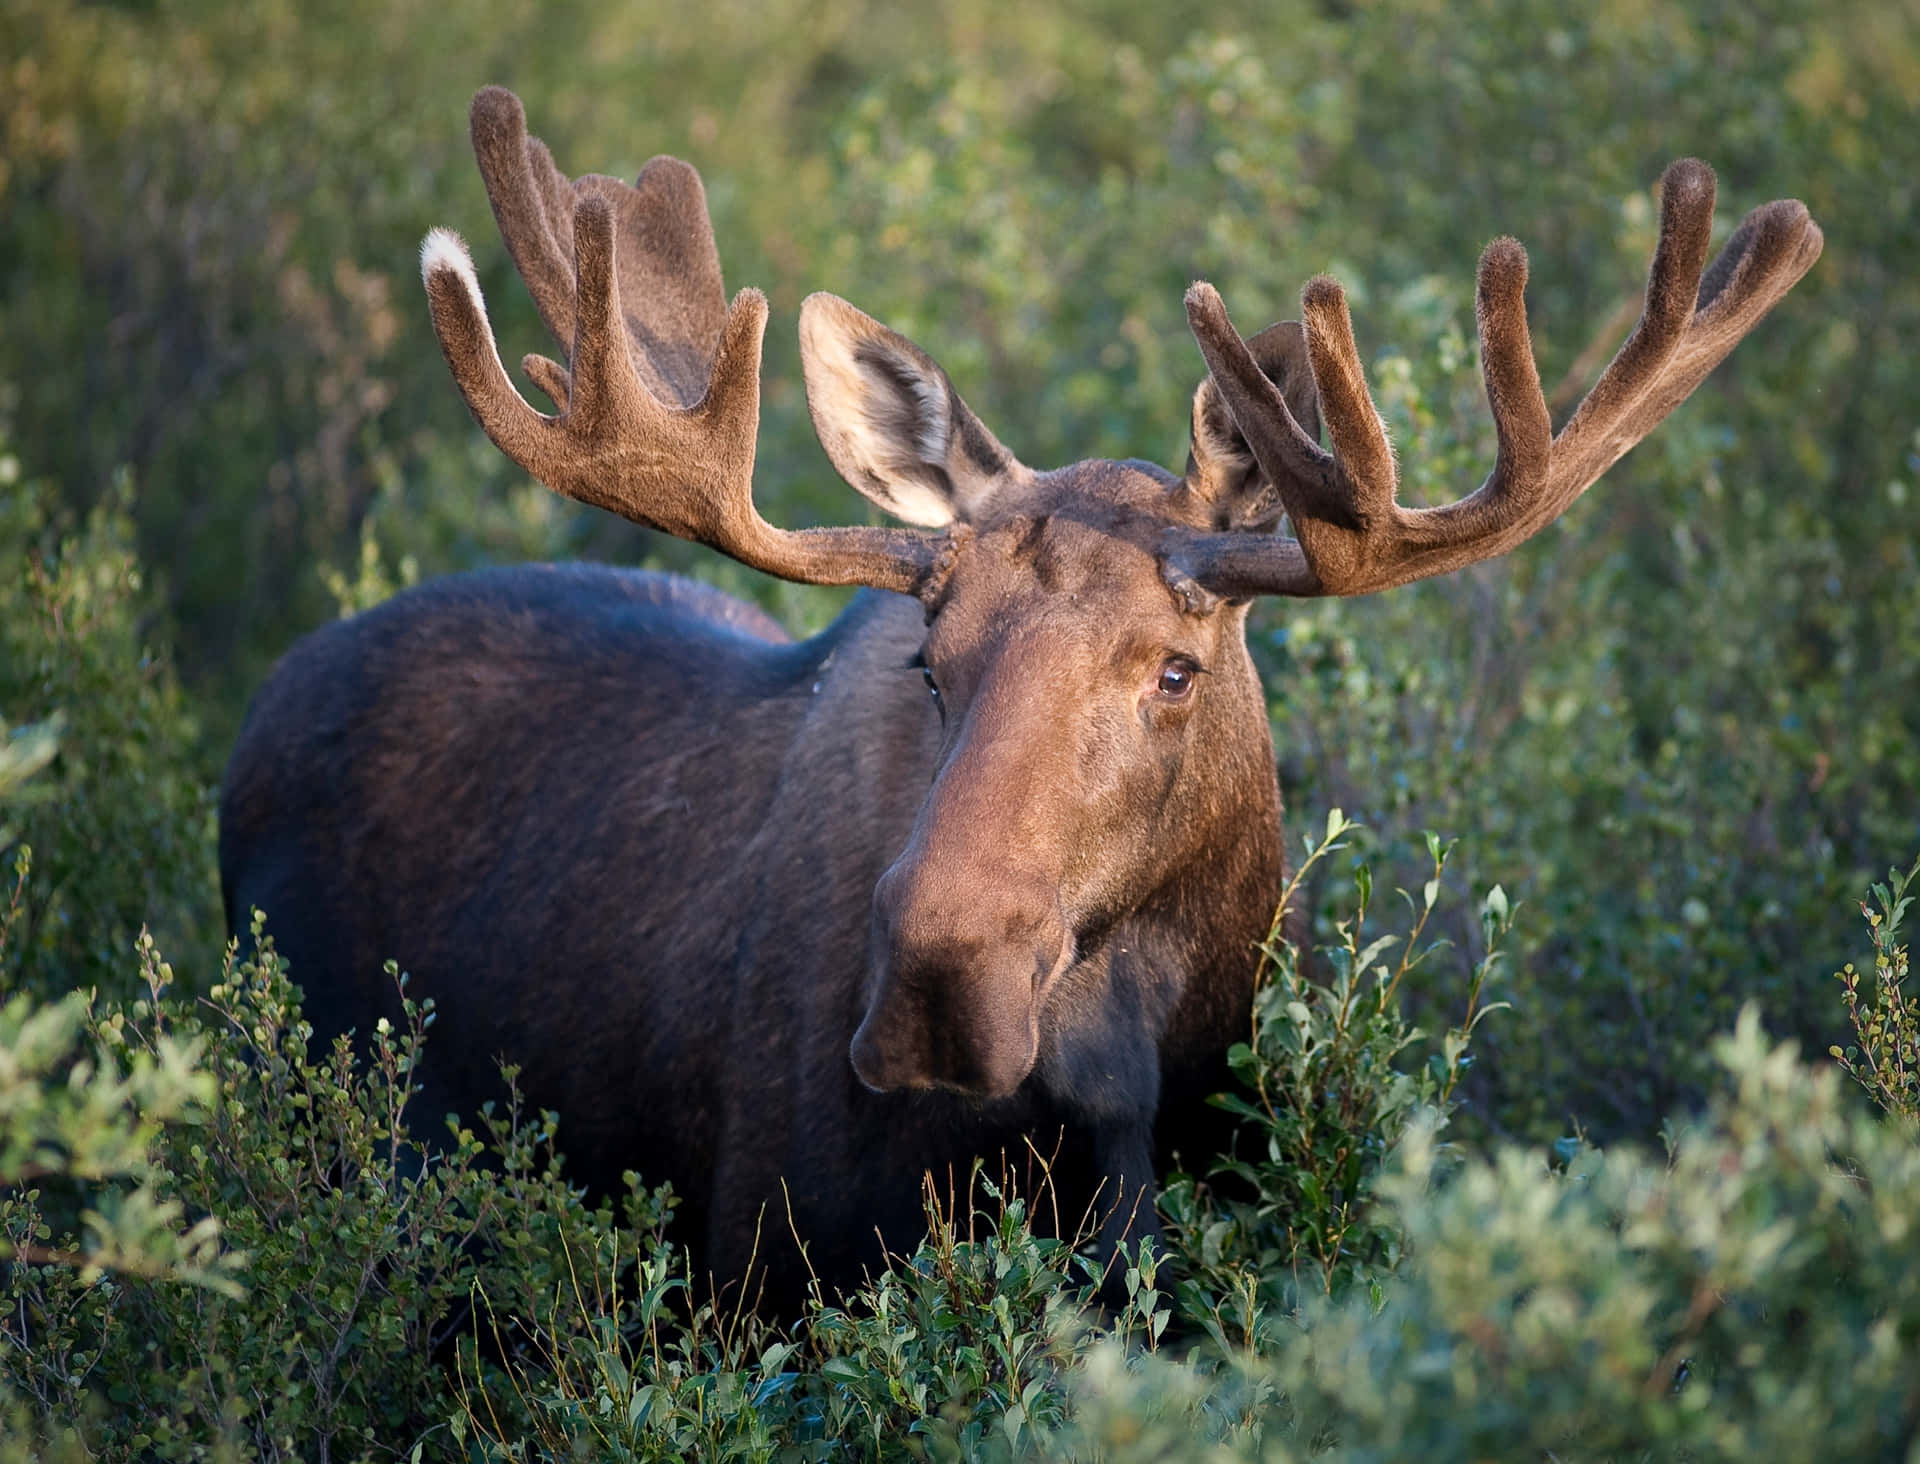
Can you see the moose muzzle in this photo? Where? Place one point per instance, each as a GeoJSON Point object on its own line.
{"type": "Point", "coordinates": [959, 972]}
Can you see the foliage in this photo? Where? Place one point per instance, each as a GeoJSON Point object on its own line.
{"type": "Point", "coordinates": [1327, 1086]}
{"type": "Point", "coordinates": [70, 1115]}
{"type": "Point", "coordinates": [105, 783]}
{"type": "Point", "coordinates": [361, 1251]}
{"type": "Point", "coordinates": [1887, 1060]}
{"type": "Point", "coordinates": [23, 752]}
{"type": "Point", "coordinates": [965, 1345]}
{"type": "Point", "coordinates": [968, 1341]}
{"type": "Point", "coordinates": [1748, 1296]}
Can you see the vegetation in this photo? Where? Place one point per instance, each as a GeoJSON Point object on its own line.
{"type": "Point", "coordinates": [1887, 1060]}
{"type": "Point", "coordinates": [1751, 1295]}
{"type": "Point", "coordinates": [120, 813]}
{"type": "Point", "coordinates": [1679, 734]}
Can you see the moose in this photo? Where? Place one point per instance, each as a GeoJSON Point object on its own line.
{"type": "Point", "coordinates": [982, 868]}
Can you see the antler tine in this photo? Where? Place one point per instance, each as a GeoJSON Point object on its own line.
{"type": "Point", "coordinates": [1352, 536]}
{"type": "Point", "coordinates": [532, 204]}
{"type": "Point", "coordinates": [1610, 411]}
{"type": "Point", "coordinates": [1766, 256]}
{"type": "Point", "coordinates": [670, 284]}
{"type": "Point", "coordinates": [656, 424]}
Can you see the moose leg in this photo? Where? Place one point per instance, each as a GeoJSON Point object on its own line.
{"type": "Point", "coordinates": [1123, 1161]}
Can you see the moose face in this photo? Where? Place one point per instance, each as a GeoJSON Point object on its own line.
{"type": "Point", "coordinates": [1090, 711]}
{"type": "Point", "coordinates": [1088, 717]}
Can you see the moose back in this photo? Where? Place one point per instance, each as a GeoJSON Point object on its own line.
{"type": "Point", "coordinates": [981, 869]}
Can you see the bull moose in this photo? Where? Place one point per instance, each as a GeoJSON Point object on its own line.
{"type": "Point", "coordinates": [985, 863]}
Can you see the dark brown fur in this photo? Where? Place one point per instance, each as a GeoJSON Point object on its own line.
{"type": "Point", "coordinates": [673, 940]}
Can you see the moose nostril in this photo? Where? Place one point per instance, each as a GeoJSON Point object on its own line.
{"type": "Point", "coordinates": [881, 1066]}
{"type": "Point", "coordinates": [864, 1054]}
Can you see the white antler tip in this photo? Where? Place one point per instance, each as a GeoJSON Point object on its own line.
{"type": "Point", "coordinates": [443, 249]}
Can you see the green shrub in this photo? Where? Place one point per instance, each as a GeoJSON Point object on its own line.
{"type": "Point", "coordinates": [69, 1115]}
{"type": "Point", "coordinates": [23, 752]}
{"type": "Point", "coordinates": [1328, 1082]}
{"type": "Point", "coordinates": [357, 1256]}
{"type": "Point", "coordinates": [964, 1345]}
{"type": "Point", "coordinates": [1750, 1295]}
{"type": "Point", "coordinates": [119, 812]}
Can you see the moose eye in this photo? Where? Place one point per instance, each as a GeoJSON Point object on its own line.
{"type": "Point", "coordinates": [919, 663]}
{"type": "Point", "coordinates": [1176, 679]}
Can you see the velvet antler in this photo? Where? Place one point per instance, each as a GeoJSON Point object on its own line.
{"type": "Point", "coordinates": [1351, 536]}
{"type": "Point", "coordinates": [660, 397]}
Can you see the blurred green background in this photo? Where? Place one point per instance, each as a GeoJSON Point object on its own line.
{"type": "Point", "coordinates": [1682, 727]}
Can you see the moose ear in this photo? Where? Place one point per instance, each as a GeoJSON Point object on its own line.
{"type": "Point", "coordinates": [892, 423]}
{"type": "Point", "coordinates": [1222, 475]}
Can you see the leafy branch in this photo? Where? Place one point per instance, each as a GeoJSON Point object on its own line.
{"type": "Point", "coordinates": [1886, 1059]}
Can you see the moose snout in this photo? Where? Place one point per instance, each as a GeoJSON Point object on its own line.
{"type": "Point", "coordinates": [957, 980]}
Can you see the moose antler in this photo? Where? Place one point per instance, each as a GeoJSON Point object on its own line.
{"type": "Point", "coordinates": [660, 397]}
{"type": "Point", "coordinates": [1351, 536]}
